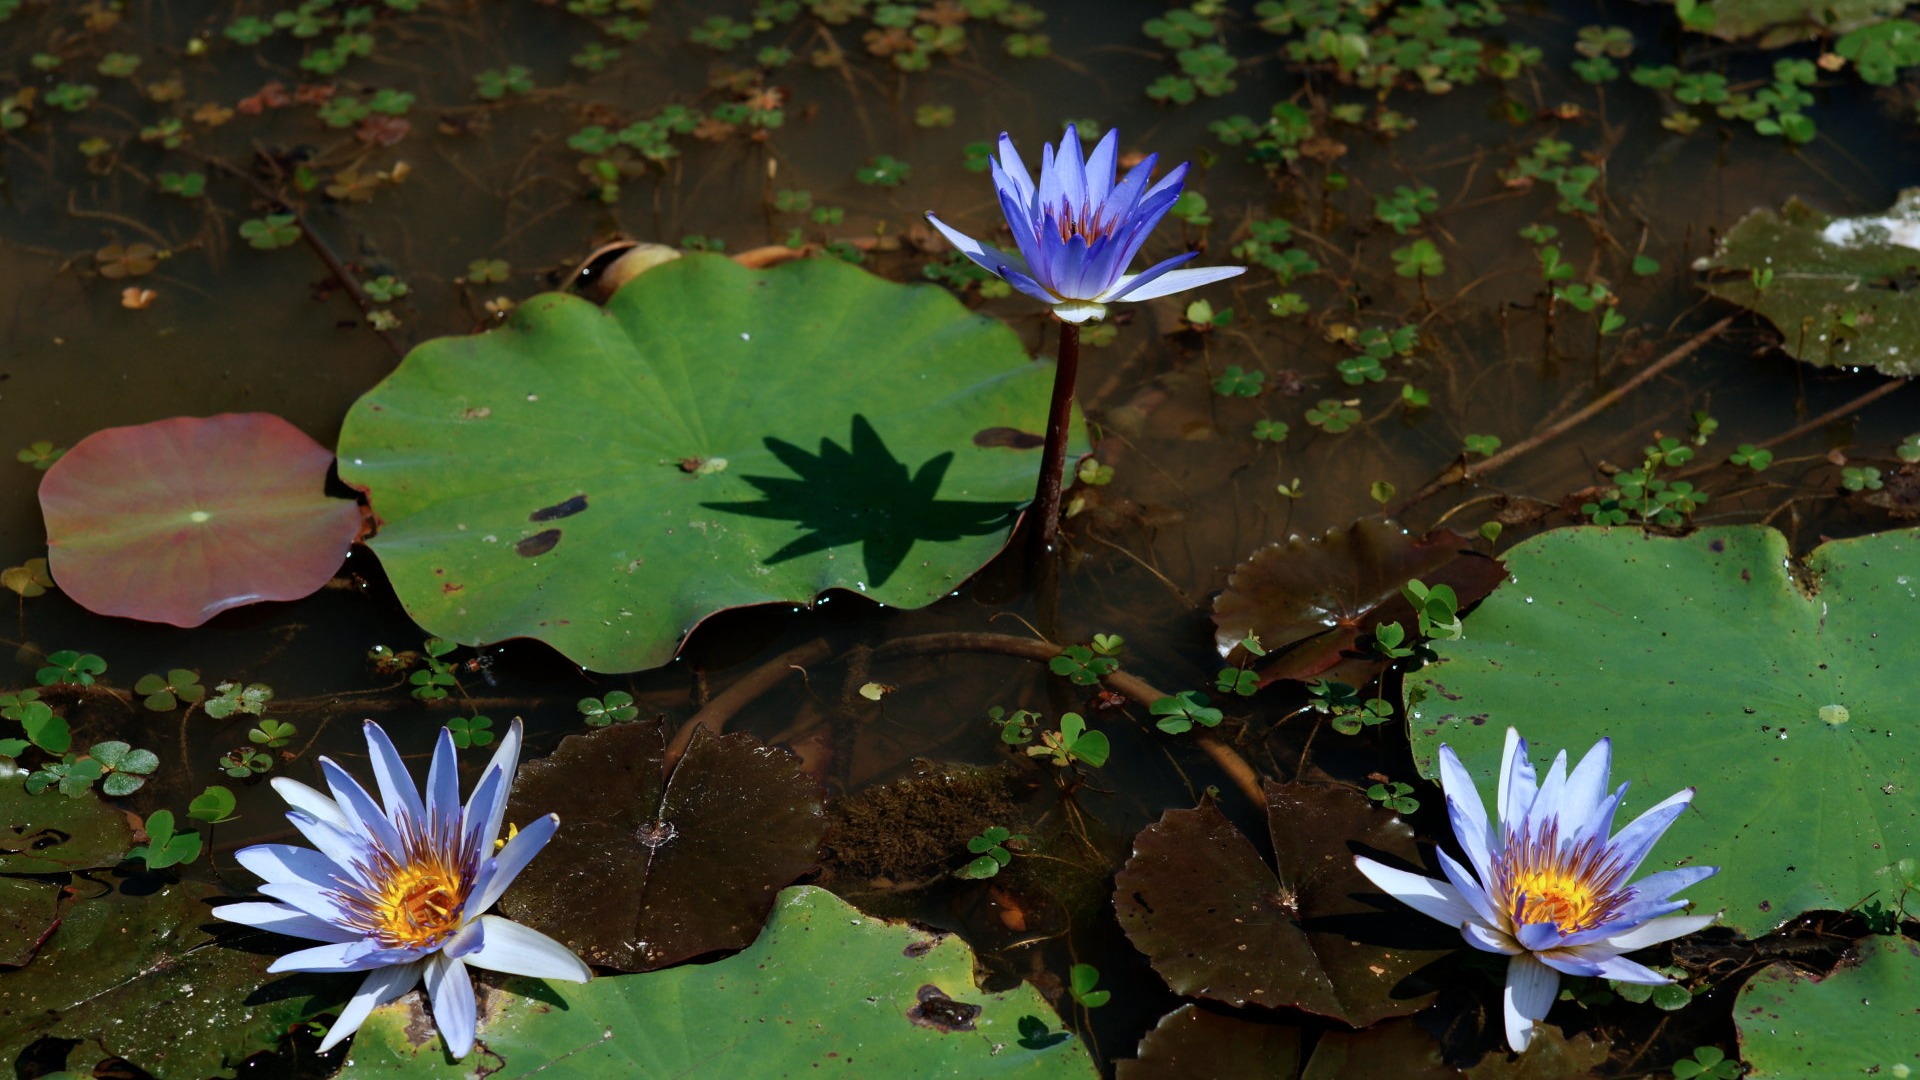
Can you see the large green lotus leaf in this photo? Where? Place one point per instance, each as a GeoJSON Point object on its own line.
{"type": "Point", "coordinates": [1862, 1020]}
{"type": "Point", "coordinates": [825, 991]}
{"type": "Point", "coordinates": [603, 479]}
{"type": "Point", "coordinates": [1218, 922]}
{"type": "Point", "coordinates": [1842, 289]}
{"type": "Point", "coordinates": [645, 871]}
{"type": "Point", "coordinates": [1785, 697]}
{"type": "Point", "coordinates": [51, 834]}
{"type": "Point", "coordinates": [178, 520]}
{"type": "Point", "coordinates": [138, 972]}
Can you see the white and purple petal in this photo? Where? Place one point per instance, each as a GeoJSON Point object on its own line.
{"type": "Point", "coordinates": [506, 946]}
{"type": "Point", "coordinates": [283, 919]}
{"type": "Point", "coordinates": [390, 776]}
{"type": "Point", "coordinates": [513, 858]}
{"type": "Point", "coordinates": [451, 990]}
{"type": "Point", "coordinates": [379, 987]}
{"type": "Point", "coordinates": [1435, 899]}
{"type": "Point", "coordinates": [1531, 987]}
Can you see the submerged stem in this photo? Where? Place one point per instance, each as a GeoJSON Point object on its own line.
{"type": "Point", "coordinates": [1053, 457]}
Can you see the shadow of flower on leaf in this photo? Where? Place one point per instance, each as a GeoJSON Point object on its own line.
{"type": "Point", "coordinates": [863, 494]}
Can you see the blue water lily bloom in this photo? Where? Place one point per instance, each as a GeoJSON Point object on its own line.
{"type": "Point", "coordinates": [399, 888]}
{"type": "Point", "coordinates": [1547, 886]}
{"type": "Point", "coordinates": [1077, 230]}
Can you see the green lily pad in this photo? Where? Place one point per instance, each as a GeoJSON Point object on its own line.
{"type": "Point", "coordinates": [1783, 694]}
{"type": "Point", "coordinates": [603, 479]}
{"type": "Point", "coordinates": [137, 973]}
{"type": "Point", "coordinates": [1859, 1021]}
{"type": "Point", "coordinates": [646, 872]}
{"type": "Point", "coordinates": [178, 520]}
{"type": "Point", "coordinates": [47, 834]}
{"type": "Point", "coordinates": [1841, 292]}
{"type": "Point", "coordinates": [1783, 22]}
{"type": "Point", "coordinates": [825, 991]}
{"type": "Point", "coordinates": [1217, 922]}
{"type": "Point", "coordinates": [1190, 1042]}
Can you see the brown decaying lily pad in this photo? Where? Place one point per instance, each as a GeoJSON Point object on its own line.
{"type": "Point", "coordinates": [643, 872]}
{"type": "Point", "coordinates": [1310, 600]}
{"type": "Point", "coordinates": [1217, 922]}
{"type": "Point", "coordinates": [178, 520]}
{"type": "Point", "coordinates": [1191, 1042]}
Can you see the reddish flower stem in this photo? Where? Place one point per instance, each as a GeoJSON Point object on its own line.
{"type": "Point", "coordinates": [1045, 511]}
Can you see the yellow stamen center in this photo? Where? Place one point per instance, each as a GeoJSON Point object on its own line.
{"type": "Point", "coordinates": [1556, 896]}
{"type": "Point", "coordinates": [419, 904]}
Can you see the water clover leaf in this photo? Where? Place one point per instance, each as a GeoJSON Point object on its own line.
{"type": "Point", "coordinates": [29, 579]}
{"type": "Point", "coordinates": [1081, 666]}
{"type": "Point", "coordinates": [244, 698]}
{"type": "Point", "coordinates": [993, 848]}
{"type": "Point", "coordinates": [1072, 742]}
{"type": "Point", "coordinates": [1707, 1063]}
{"type": "Point", "coordinates": [243, 762]}
{"type": "Point", "coordinates": [213, 805]}
{"type": "Point", "coordinates": [124, 768]}
{"type": "Point", "coordinates": [40, 454]}
{"type": "Point", "coordinates": [1333, 416]}
{"type": "Point", "coordinates": [884, 170]}
{"type": "Point", "coordinates": [1420, 259]}
{"type": "Point", "coordinates": [385, 289]}
{"type": "Point", "coordinates": [1270, 430]}
{"type": "Point", "coordinates": [1081, 980]}
{"type": "Point", "coordinates": [895, 481]}
{"type": "Point", "coordinates": [616, 707]}
{"type": "Point", "coordinates": [470, 731]}
{"type": "Point", "coordinates": [1394, 796]}
{"type": "Point", "coordinates": [1234, 382]}
{"type": "Point", "coordinates": [487, 271]}
{"type": "Point", "coordinates": [1108, 644]}
{"type": "Point", "coordinates": [165, 693]}
{"type": "Point", "coordinates": [164, 847]}
{"type": "Point", "coordinates": [1179, 713]}
{"type": "Point", "coordinates": [270, 232]}
{"type": "Point", "coordinates": [271, 733]}
{"type": "Point", "coordinates": [69, 668]}
{"type": "Point", "coordinates": [1751, 456]}
{"type": "Point", "coordinates": [74, 776]}
{"type": "Point", "coordinates": [494, 84]}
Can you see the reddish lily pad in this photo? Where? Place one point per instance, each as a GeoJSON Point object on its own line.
{"type": "Point", "coordinates": [1218, 923]}
{"type": "Point", "coordinates": [1397, 1048]}
{"type": "Point", "coordinates": [179, 520]}
{"type": "Point", "coordinates": [1310, 600]}
{"type": "Point", "coordinates": [647, 872]}
{"type": "Point", "coordinates": [1190, 1042]}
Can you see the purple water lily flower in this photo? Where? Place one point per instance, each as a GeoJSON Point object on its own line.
{"type": "Point", "coordinates": [1077, 231]}
{"type": "Point", "coordinates": [400, 892]}
{"type": "Point", "coordinates": [1548, 887]}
